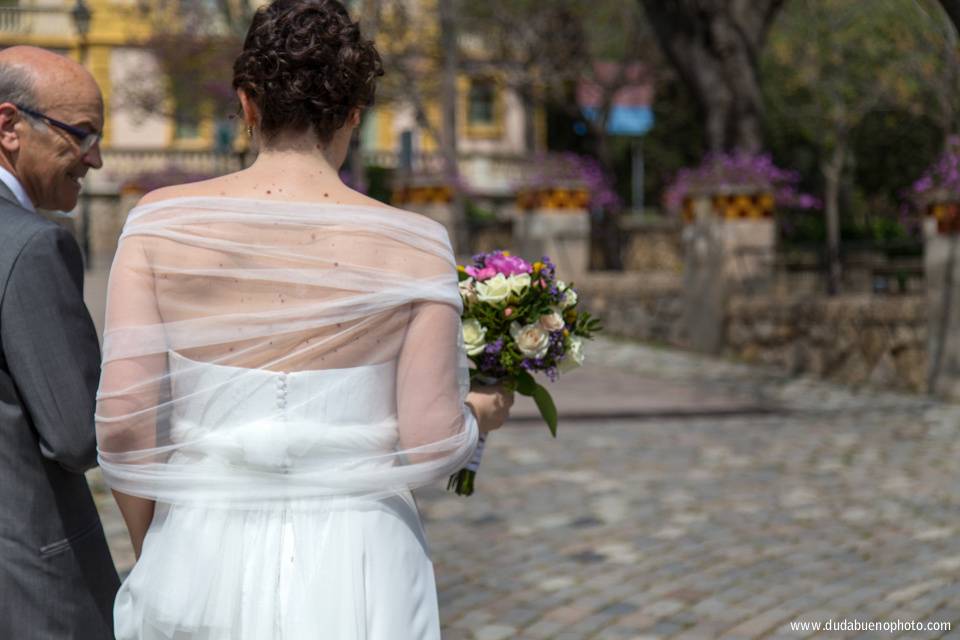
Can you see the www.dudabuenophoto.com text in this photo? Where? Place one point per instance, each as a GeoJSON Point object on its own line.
{"type": "Point", "coordinates": [853, 624]}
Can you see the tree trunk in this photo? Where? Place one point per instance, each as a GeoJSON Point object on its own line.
{"type": "Point", "coordinates": [832, 172]}
{"type": "Point", "coordinates": [529, 120]}
{"type": "Point", "coordinates": [448, 43]}
{"type": "Point", "coordinates": [714, 45]}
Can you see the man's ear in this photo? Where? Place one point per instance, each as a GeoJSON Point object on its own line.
{"type": "Point", "coordinates": [354, 119]}
{"type": "Point", "coordinates": [9, 136]}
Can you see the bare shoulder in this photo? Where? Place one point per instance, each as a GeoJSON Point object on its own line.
{"type": "Point", "coordinates": [360, 199]}
{"type": "Point", "coordinates": [212, 187]}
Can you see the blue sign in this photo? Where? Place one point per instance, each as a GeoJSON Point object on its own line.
{"type": "Point", "coordinates": [625, 121]}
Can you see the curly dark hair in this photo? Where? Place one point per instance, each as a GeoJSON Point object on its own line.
{"type": "Point", "coordinates": [305, 64]}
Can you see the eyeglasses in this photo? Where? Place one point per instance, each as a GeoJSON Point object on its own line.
{"type": "Point", "coordinates": [86, 139]}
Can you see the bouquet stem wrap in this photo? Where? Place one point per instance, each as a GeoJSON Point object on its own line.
{"type": "Point", "coordinates": [462, 482]}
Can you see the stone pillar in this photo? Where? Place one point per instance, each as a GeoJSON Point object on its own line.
{"type": "Point", "coordinates": [554, 222]}
{"type": "Point", "coordinates": [729, 243]}
{"type": "Point", "coordinates": [941, 230]}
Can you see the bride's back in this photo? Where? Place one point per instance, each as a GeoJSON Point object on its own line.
{"type": "Point", "coordinates": [247, 261]}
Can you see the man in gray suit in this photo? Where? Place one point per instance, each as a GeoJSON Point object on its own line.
{"type": "Point", "coordinates": [56, 576]}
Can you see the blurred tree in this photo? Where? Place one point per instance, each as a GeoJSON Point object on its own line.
{"type": "Point", "coordinates": [421, 54]}
{"type": "Point", "coordinates": [828, 65]}
{"type": "Point", "coordinates": [715, 47]}
{"type": "Point", "coordinates": [541, 52]}
{"type": "Point", "coordinates": [537, 50]}
{"type": "Point", "coordinates": [890, 149]}
{"type": "Point", "coordinates": [677, 139]}
{"type": "Point", "coordinates": [545, 52]}
{"type": "Point", "coordinates": [449, 41]}
{"type": "Point", "coordinates": [941, 70]}
{"type": "Point", "coordinates": [193, 46]}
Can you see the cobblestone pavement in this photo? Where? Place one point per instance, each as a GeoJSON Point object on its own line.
{"type": "Point", "coordinates": [693, 498]}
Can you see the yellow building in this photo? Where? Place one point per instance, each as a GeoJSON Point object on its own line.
{"type": "Point", "coordinates": [494, 133]}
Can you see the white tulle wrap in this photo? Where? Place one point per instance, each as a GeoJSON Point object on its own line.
{"type": "Point", "coordinates": [292, 353]}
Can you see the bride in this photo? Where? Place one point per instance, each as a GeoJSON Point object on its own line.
{"type": "Point", "coordinates": [283, 363]}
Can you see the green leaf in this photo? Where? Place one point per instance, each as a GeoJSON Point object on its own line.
{"type": "Point", "coordinates": [547, 409]}
{"type": "Point", "coordinates": [526, 385]}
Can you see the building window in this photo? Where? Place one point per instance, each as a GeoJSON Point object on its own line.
{"type": "Point", "coordinates": [186, 122]}
{"type": "Point", "coordinates": [482, 103]}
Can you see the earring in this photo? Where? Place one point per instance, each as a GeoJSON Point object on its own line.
{"type": "Point", "coordinates": [250, 131]}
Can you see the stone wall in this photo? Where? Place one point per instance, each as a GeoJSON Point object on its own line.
{"type": "Point", "coordinates": [651, 245]}
{"type": "Point", "coordinates": [643, 306]}
{"type": "Point", "coordinates": [853, 340]}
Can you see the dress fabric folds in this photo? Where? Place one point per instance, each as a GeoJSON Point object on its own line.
{"type": "Point", "coordinates": [278, 377]}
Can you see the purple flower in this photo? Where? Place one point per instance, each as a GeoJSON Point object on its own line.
{"type": "Point", "coordinates": [494, 347]}
{"type": "Point", "coordinates": [739, 172]}
{"type": "Point", "coordinates": [941, 179]}
{"type": "Point", "coordinates": [551, 170]}
{"type": "Point", "coordinates": [925, 183]}
{"type": "Point", "coordinates": [508, 265]}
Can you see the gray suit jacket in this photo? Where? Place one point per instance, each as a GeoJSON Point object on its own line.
{"type": "Point", "coordinates": [57, 579]}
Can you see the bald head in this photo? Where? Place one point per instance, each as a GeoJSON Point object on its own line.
{"type": "Point", "coordinates": [51, 111]}
{"type": "Point", "coordinates": [50, 79]}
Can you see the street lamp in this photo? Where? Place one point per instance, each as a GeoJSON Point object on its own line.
{"type": "Point", "coordinates": [82, 16]}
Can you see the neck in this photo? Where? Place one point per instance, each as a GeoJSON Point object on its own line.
{"type": "Point", "coordinates": [302, 149]}
{"type": "Point", "coordinates": [311, 161]}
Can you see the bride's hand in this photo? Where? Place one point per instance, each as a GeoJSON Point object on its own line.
{"type": "Point", "coordinates": [491, 404]}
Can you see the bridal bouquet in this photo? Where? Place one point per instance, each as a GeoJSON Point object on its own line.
{"type": "Point", "coordinates": [518, 319]}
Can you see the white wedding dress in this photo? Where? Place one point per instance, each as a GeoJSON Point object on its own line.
{"type": "Point", "coordinates": [348, 570]}
{"type": "Point", "coordinates": [277, 378]}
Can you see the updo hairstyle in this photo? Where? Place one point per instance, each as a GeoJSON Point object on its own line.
{"type": "Point", "coordinates": [305, 65]}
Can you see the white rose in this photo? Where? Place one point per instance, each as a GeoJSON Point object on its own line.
{"type": "Point", "coordinates": [495, 289]}
{"type": "Point", "coordinates": [532, 340]}
{"type": "Point", "coordinates": [468, 291]}
{"type": "Point", "coordinates": [552, 321]}
{"type": "Point", "coordinates": [519, 282]}
{"type": "Point", "coordinates": [474, 335]}
{"type": "Point", "coordinates": [574, 357]}
{"type": "Point", "coordinates": [569, 298]}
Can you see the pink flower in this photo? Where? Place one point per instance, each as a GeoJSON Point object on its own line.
{"type": "Point", "coordinates": [481, 274]}
{"type": "Point", "coordinates": [508, 312]}
{"type": "Point", "coordinates": [508, 265]}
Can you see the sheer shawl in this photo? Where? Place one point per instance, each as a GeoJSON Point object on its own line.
{"type": "Point", "coordinates": [265, 290]}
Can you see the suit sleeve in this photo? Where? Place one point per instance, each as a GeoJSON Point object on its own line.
{"type": "Point", "coordinates": [51, 347]}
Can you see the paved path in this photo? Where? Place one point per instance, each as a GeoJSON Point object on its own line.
{"type": "Point", "coordinates": [690, 498]}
